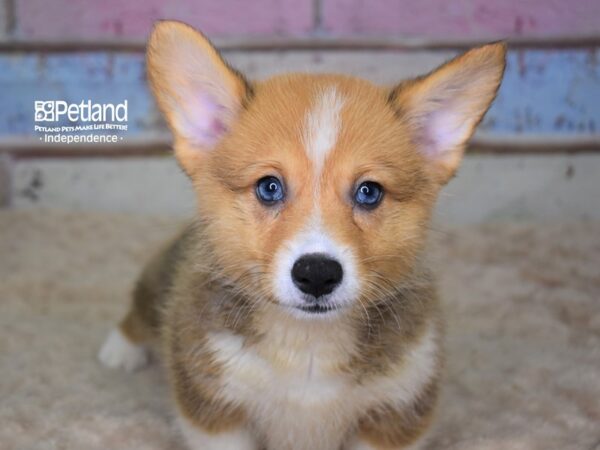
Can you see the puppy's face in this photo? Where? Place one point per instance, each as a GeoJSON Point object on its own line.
{"type": "Point", "coordinates": [315, 189]}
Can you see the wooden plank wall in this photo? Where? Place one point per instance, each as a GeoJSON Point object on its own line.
{"type": "Point", "coordinates": [543, 131]}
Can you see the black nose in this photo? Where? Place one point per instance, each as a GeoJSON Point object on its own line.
{"type": "Point", "coordinates": [317, 274]}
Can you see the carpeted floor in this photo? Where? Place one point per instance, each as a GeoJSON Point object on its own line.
{"type": "Point", "coordinates": [522, 301]}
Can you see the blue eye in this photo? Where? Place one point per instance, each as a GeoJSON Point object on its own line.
{"type": "Point", "coordinates": [368, 194]}
{"type": "Point", "coordinates": [269, 190]}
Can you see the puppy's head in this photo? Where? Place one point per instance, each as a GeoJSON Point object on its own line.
{"type": "Point", "coordinates": [315, 189]}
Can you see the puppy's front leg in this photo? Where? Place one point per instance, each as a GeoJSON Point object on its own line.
{"type": "Point", "coordinates": [231, 439]}
{"type": "Point", "coordinates": [397, 427]}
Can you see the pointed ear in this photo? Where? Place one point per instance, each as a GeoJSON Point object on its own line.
{"type": "Point", "coordinates": [444, 107]}
{"type": "Point", "coordinates": [197, 92]}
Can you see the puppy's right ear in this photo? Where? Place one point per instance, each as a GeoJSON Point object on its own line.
{"type": "Point", "coordinates": [197, 92]}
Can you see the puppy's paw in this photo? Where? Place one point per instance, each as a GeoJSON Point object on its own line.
{"type": "Point", "coordinates": [118, 352]}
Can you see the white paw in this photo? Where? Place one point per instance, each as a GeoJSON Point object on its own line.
{"type": "Point", "coordinates": [118, 352]}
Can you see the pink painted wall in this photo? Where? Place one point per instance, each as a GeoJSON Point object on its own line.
{"type": "Point", "coordinates": [483, 19]}
{"type": "Point", "coordinates": [438, 19]}
{"type": "Point", "coordinates": [91, 19]}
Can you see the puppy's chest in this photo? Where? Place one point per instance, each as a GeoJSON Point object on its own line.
{"type": "Point", "coordinates": [298, 388]}
{"type": "Point", "coordinates": [295, 392]}
{"type": "Point", "coordinates": [295, 371]}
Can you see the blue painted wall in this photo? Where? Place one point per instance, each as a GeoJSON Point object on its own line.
{"type": "Point", "coordinates": [552, 91]}
{"type": "Point", "coordinates": [544, 91]}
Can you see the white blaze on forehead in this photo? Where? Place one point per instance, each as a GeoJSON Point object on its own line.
{"type": "Point", "coordinates": [322, 126]}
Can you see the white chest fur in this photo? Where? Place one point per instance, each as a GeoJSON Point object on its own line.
{"type": "Point", "coordinates": [294, 391]}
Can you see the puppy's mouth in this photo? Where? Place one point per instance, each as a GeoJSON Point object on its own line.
{"type": "Point", "coordinates": [317, 308]}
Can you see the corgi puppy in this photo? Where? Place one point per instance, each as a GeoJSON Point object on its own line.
{"type": "Point", "coordinates": [296, 312]}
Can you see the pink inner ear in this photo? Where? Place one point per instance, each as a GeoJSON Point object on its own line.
{"type": "Point", "coordinates": [203, 120]}
{"type": "Point", "coordinates": [218, 127]}
{"type": "Point", "coordinates": [443, 131]}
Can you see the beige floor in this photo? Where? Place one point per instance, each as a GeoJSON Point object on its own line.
{"type": "Point", "coordinates": [523, 307]}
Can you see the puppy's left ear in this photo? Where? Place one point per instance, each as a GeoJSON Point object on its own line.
{"type": "Point", "coordinates": [444, 108]}
{"type": "Point", "coordinates": [199, 94]}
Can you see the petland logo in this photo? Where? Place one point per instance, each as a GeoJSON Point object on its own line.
{"type": "Point", "coordinates": [55, 110]}
{"type": "Point", "coordinates": [61, 122]}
